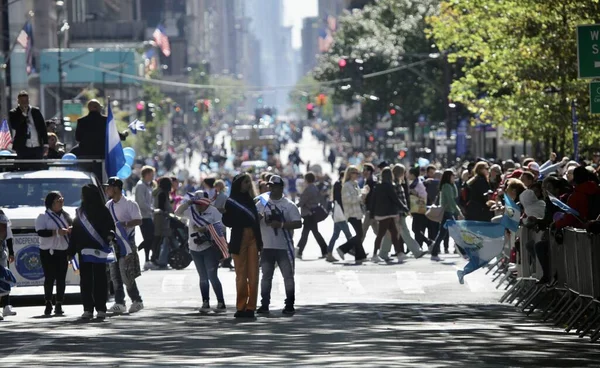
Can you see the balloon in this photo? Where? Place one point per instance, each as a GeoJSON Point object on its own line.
{"type": "Point", "coordinates": [423, 162]}
{"type": "Point", "coordinates": [129, 150]}
{"type": "Point", "coordinates": [69, 157]}
{"type": "Point", "coordinates": [125, 172]}
{"type": "Point", "coordinates": [5, 153]}
{"type": "Point", "coordinates": [129, 159]}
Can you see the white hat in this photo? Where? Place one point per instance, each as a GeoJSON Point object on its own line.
{"type": "Point", "coordinates": [533, 166]}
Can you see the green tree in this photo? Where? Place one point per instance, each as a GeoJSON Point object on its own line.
{"type": "Point", "coordinates": [520, 64]}
{"type": "Point", "coordinates": [387, 34]}
{"type": "Point", "coordinates": [147, 143]}
{"type": "Point", "coordinates": [225, 99]}
{"type": "Point", "coordinates": [306, 91]}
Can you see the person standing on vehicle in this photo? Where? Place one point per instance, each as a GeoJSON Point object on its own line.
{"type": "Point", "coordinates": [200, 213]}
{"type": "Point", "coordinates": [309, 200]}
{"type": "Point", "coordinates": [54, 227]}
{"type": "Point", "coordinates": [279, 218]}
{"type": "Point", "coordinates": [93, 229]}
{"type": "Point", "coordinates": [126, 215]}
{"type": "Point", "coordinates": [245, 244]}
{"type": "Point", "coordinates": [162, 225]}
{"type": "Point", "coordinates": [7, 256]}
{"type": "Point", "coordinates": [143, 198]}
{"type": "Point", "coordinates": [30, 139]}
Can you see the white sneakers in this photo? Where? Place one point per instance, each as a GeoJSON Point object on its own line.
{"type": "Point", "coordinates": [136, 307]}
{"type": "Point", "coordinates": [7, 311]}
{"type": "Point", "coordinates": [118, 308]}
{"type": "Point", "coordinates": [375, 259]}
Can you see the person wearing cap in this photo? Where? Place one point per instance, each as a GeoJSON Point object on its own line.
{"type": "Point", "coordinates": [279, 218]}
{"type": "Point", "coordinates": [126, 215]}
{"type": "Point", "coordinates": [199, 212]}
{"type": "Point", "coordinates": [7, 256]}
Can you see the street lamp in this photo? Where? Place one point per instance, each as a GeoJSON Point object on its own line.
{"type": "Point", "coordinates": [64, 27]}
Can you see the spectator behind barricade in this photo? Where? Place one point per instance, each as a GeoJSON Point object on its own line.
{"type": "Point", "coordinates": [478, 191]}
{"type": "Point", "coordinates": [585, 200]}
{"type": "Point", "coordinates": [513, 189]}
{"type": "Point", "coordinates": [534, 168]}
{"type": "Point", "coordinates": [495, 177]}
{"type": "Point", "coordinates": [528, 179]}
{"type": "Point", "coordinates": [55, 148]}
{"type": "Point", "coordinates": [532, 201]}
{"type": "Point", "coordinates": [30, 139]}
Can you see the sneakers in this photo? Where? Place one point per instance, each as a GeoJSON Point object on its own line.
{"type": "Point", "coordinates": [360, 261]}
{"type": "Point", "coordinates": [48, 310]}
{"type": "Point", "coordinates": [263, 310]}
{"type": "Point", "coordinates": [330, 258]}
{"type": "Point", "coordinates": [375, 259]}
{"type": "Point", "coordinates": [150, 266]}
{"type": "Point", "coordinates": [87, 315]}
{"type": "Point", "coordinates": [205, 307]}
{"type": "Point", "coordinates": [136, 307]}
{"type": "Point", "coordinates": [461, 276]}
{"type": "Point", "coordinates": [221, 308]}
{"type": "Point", "coordinates": [58, 309]}
{"type": "Point", "coordinates": [244, 314]}
{"type": "Point", "coordinates": [8, 311]}
{"type": "Point", "coordinates": [421, 254]}
{"type": "Point", "coordinates": [298, 254]}
{"type": "Point", "coordinates": [436, 258]}
{"type": "Point", "coordinates": [402, 257]}
{"type": "Point", "coordinates": [101, 315]}
{"type": "Point", "coordinates": [288, 310]}
{"type": "Point", "coordinates": [340, 253]}
{"type": "Point", "coordinates": [118, 308]}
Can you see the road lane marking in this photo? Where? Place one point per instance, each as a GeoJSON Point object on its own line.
{"type": "Point", "coordinates": [350, 280]}
{"type": "Point", "coordinates": [173, 283]}
{"type": "Point", "coordinates": [27, 352]}
{"type": "Point", "coordinates": [408, 282]}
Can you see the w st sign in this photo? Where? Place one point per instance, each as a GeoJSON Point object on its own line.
{"type": "Point", "coordinates": [588, 50]}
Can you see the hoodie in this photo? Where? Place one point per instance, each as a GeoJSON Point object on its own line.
{"type": "Point", "coordinates": [579, 201]}
{"type": "Point", "coordinates": [533, 206]}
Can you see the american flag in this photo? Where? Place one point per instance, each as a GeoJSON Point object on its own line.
{"type": "Point", "coordinates": [162, 41]}
{"type": "Point", "coordinates": [25, 39]}
{"type": "Point", "coordinates": [217, 233]}
{"type": "Point", "coordinates": [5, 137]}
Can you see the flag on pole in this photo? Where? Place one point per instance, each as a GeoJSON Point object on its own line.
{"type": "Point", "coordinates": [563, 206]}
{"type": "Point", "coordinates": [115, 158]}
{"type": "Point", "coordinates": [25, 39]}
{"type": "Point", "coordinates": [162, 40]}
{"type": "Point", "coordinates": [217, 234]}
{"type": "Point", "coordinates": [5, 137]}
{"type": "Point", "coordinates": [137, 125]}
{"type": "Point", "coordinates": [512, 215]}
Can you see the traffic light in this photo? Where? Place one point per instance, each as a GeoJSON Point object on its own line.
{"type": "Point", "coordinates": [140, 108]}
{"type": "Point", "coordinates": [321, 99]}
{"type": "Point", "coordinates": [393, 111]}
{"type": "Point", "coordinates": [402, 154]}
{"type": "Point", "coordinates": [206, 105]}
{"type": "Point", "coordinates": [310, 111]}
{"type": "Point", "coordinates": [150, 111]}
{"type": "Point", "coordinates": [342, 63]}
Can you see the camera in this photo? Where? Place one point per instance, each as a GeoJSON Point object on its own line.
{"type": "Point", "coordinates": [200, 238]}
{"type": "Point", "coordinates": [274, 215]}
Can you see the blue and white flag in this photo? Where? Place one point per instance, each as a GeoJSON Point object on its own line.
{"type": "Point", "coordinates": [115, 158]}
{"type": "Point", "coordinates": [481, 241]}
{"type": "Point", "coordinates": [98, 255]}
{"type": "Point", "coordinates": [7, 280]}
{"type": "Point", "coordinates": [263, 198]}
{"type": "Point", "coordinates": [137, 125]}
{"type": "Point", "coordinates": [563, 206]}
{"type": "Point", "coordinates": [512, 214]}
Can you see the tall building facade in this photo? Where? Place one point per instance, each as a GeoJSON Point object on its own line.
{"type": "Point", "coordinates": [310, 43]}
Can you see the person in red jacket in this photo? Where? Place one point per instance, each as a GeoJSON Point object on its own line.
{"type": "Point", "coordinates": [585, 189]}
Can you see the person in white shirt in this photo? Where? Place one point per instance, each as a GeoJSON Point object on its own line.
{"type": "Point", "coordinates": [200, 213]}
{"type": "Point", "coordinates": [7, 257]}
{"type": "Point", "coordinates": [53, 228]}
{"type": "Point", "coordinates": [126, 214]}
{"type": "Point", "coordinates": [279, 217]}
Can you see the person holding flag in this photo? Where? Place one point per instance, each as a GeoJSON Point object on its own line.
{"type": "Point", "coordinates": [279, 218]}
{"type": "Point", "coordinates": [54, 228]}
{"type": "Point", "coordinates": [126, 215]}
{"type": "Point", "coordinates": [207, 245]}
{"type": "Point", "coordinates": [93, 230]}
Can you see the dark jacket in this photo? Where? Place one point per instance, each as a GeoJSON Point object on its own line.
{"type": "Point", "coordinates": [91, 135]}
{"type": "Point", "coordinates": [403, 197]}
{"type": "Point", "coordinates": [55, 153]}
{"type": "Point", "coordinates": [337, 194]}
{"type": "Point", "coordinates": [477, 209]}
{"type": "Point", "coordinates": [580, 201]}
{"type": "Point", "coordinates": [432, 186]}
{"type": "Point", "coordinates": [385, 200]}
{"type": "Point", "coordinates": [238, 220]}
{"type": "Point", "coordinates": [18, 123]}
{"type": "Point", "coordinates": [102, 221]}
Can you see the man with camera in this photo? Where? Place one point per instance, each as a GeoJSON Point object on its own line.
{"type": "Point", "coordinates": [279, 217]}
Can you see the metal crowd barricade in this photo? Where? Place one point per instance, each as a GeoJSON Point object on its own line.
{"type": "Point", "coordinates": [529, 266]}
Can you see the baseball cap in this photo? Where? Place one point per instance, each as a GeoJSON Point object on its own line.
{"type": "Point", "coordinates": [114, 182]}
{"type": "Point", "coordinates": [533, 166]}
{"type": "Point", "coordinates": [275, 180]}
{"type": "Point", "coordinates": [383, 164]}
{"type": "Point", "coordinates": [200, 197]}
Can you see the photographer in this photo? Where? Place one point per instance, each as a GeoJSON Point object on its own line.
{"type": "Point", "coordinates": [279, 217]}
{"type": "Point", "coordinates": [200, 213]}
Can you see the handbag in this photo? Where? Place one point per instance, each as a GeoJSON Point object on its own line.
{"type": "Point", "coordinates": [435, 213]}
{"type": "Point", "coordinates": [417, 205]}
{"type": "Point", "coordinates": [338, 213]}
{"type": "Point", "coordinates": [319, 213]}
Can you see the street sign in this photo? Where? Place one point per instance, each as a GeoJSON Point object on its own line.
{"type": "Point", "coordinates": [595, 97]}
{"type": "Point", "coordinates": [72, 110]}
{"type": "Point", "coordinates": [588, 50]}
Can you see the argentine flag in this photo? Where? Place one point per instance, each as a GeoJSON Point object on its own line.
{"type": "Point", "coordinates": [137, 125]}
{"type": "Point", "coordinates": [512, 215]}
{"type": "Point", "coordinates": [263, 198]}
{"type": "Point", "coordinates": [115, 159]}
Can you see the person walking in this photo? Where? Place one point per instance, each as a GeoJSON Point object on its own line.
{"type": "Point", "coordinates": [245, 244]}
{"type": "Point", "coordinates": [340, 224]}
{"type": "Point", "coordinates": [279, 218]}
{"type": "Point", "coordinates": [93, 230]}
{"type": "Point", "coordinates": [418, 206]}
{"type": "Point", "coordinates": [31, 136]}
{"type": "Point", "coordinates": [54, 228]}
{"type": "Point", "coordinates": [448, 197]}
{"type": "Point", "coordinates": [352, 200]}
{"type": "Point", "coordinates": [162, 224]}
{"type": "Point", "coordinates": [7, 256]}
{"type": "Point", "coordinates": [206, 255]}
{"type": "Point", "coordinates": [126, 215]}
{"type": "Point", "coordinates": [370, 181]}
{"type": "Point", "coordinates": [143, 197]}
{"type": "Point", "coordinates": [309, 200]}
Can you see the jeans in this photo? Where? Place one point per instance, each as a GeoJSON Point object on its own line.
{"type": "Point", "coordinates": [268, 259]}
{"type": "Point", "coordinates": [356, 241]}
{"type": "Point", "coordinates": [94, 286]}
{"type": "Point", "coordinates": [369, 222]}
{"type": "Point", "coordinates": [207, 265]}
{"type": "Point", "coordinates": [163, 258]}
{"type": "Point", "coordinates": [442, 234]}
{"type": "Point", "coordinates": [310, 225]}
{"type": "Point", "coordinates": [338, 227]}
{"type": "Point", "coordinates": [55, 268]}
{"type": "Point", "coordinates": [419, 225]}
{"type": "Point", "coordinates": [119, 288]}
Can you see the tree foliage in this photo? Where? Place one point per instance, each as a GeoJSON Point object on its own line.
{"type": "Point", "coordinates": [384, 35]}
{"type": "Point", "coordinates": [306, 91]}
{"type": "Point", "coordinates": [519, 59]}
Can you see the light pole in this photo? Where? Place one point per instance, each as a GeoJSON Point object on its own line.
{"type": "Point", "coordinates": [63, 28]}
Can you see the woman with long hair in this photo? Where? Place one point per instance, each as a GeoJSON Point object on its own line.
{"type": "Point", "coordinates": [54, 228]}
{"type": "Point", "coordinates": [93, 229]}
{"type": "Point", "coordinates": [245, 243]}
{"type": "Point", "coordinates": [352, 200]}
{"type": "Point", "coordinates": [162, 227]}
{"type": "Point", "coordinates": [478, 191]}
{"type": "Point", "coordinates": [448, 196]}
{"type": "Point", "coordinates": [418, 206]}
